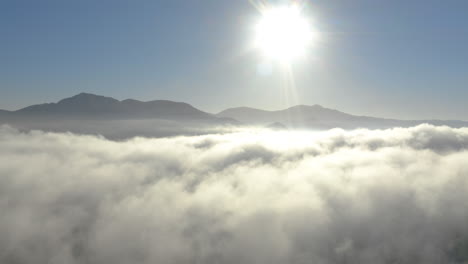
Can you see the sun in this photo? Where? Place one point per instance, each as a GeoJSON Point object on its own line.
{"type": "Point", "coordinates": [283, 33]}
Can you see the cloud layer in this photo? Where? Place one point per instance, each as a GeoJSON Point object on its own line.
{"type": "Point", "coordinates": [382, 196]}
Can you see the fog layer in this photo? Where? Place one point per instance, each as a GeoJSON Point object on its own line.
{"type": "Point", "coordinates": [361, 196]}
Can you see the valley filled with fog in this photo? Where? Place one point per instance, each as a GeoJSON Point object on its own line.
{"type": "Point", "coordinates": [245, 196]}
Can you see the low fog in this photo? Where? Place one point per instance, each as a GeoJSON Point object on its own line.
{"type": "Point", "coordinates": [257, 196]}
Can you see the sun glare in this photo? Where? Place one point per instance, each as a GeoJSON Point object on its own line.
{"type": "Point", "coordinates": [283, 33]}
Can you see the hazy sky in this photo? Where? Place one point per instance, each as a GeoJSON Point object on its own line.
{"type": "Point", "coordinates": [394, 58]}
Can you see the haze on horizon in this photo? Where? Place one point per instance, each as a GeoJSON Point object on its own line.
{"type": "Point", "coordinates": [398, 59]}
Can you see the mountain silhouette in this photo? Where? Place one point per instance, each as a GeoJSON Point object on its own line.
{"type": "Point", "coordinates": [95, 114]}
{"type": "Point", "coordinates": [99, 115]}
{"type": "Point", "coordinates": [319, 117]}
{"type": "Point", "coordinates": [90, 106]}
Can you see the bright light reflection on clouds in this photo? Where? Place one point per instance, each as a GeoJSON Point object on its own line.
{"type": "Point", "coordinates": [254, 196]}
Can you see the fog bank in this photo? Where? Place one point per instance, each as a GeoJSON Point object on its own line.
{"type": "Point", "coordinates": [361, 196]}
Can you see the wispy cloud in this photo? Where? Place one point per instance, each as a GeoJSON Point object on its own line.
{"type": "Point", "coordinates": [382, 196]}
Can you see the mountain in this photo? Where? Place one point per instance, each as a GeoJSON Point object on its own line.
{"type": "Point", "coordinates": [319, 117]}
{"type": "Point", "coordinates": [293, 115]}
{"type": "Point", "coordinates": [94, 114]}
{"type": "Point", "coordinates": [90, 106]}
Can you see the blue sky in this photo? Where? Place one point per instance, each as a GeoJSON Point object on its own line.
{"type": "Point", "coordinates": [394, 58]}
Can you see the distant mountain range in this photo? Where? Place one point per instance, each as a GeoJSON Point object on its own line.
{"type": "Point", "coordinates": [90, 106]}
{"type": "Point", "coordinates": [94, 114]}
{"type": "Point", "coordinates": [89, 113]}
{"type": "Point", "coordinates": [318, 117]}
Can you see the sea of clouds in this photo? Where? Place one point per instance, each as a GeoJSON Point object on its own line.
{"type": "Point", "coordinates": [254, 196]}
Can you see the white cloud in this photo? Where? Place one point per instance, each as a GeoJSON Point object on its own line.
{"type": "Point", "coordinates": [383, 196]}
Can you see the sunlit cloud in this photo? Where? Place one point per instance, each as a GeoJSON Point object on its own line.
{"type": "Point", "coordinates": [254, 196]}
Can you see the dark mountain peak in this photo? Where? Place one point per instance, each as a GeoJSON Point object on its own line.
{"type": "Point", "coordinates": [170, 104]}
{"type": "Point", "coordinates": [91, 106]}
{"type": "Point", "coordinates": [83, 94]}
{"type": "Point", "coordinates": [87, 98]}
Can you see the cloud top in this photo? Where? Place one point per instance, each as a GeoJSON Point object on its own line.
{"type": "Point", "coordinates": [259, 196]}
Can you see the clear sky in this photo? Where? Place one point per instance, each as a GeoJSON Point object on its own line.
{"type": "Point", "coordinates": [390, 58]}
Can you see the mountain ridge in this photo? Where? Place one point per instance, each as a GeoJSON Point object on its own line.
{"type": "Point", "coordinates": [105, 116]}
{"type": "Point", "coordinates": [317, 116]}
{"type": "Point", "coordinates": [87, 106]}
